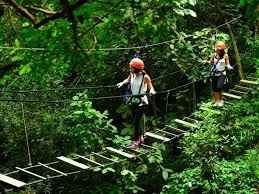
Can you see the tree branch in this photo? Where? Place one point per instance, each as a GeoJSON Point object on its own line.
{"type": "Point", "coordinates": [62, 13]}
{"type": "Point", "coordinates": [45, 11]}
{"type": "Point", "coordinates": [54, 15]}
{"type": "Point", "coordinates": [23, 11]}
{"type": "Point", "coordinates": [72, 19]}
{"type": "Point", "coordinates": [99, 19]}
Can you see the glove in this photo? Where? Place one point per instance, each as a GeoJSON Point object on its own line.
{"type": "Point", "coordinates": [119, 85]}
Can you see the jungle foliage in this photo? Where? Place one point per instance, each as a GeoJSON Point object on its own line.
{"type": "Point", "coordinates": [221, 159]}
{"type": "Point", "coordinates": [51, 51]}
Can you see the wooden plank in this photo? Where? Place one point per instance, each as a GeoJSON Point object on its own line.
{"type": "Point", "coordinates": [73, 162]}
{"type": "Point", "coordinates": [243, 88]}
{"type": "Point", "coordinates": [231, 96]}
{"type": "Point", "coordinates": [237, 91]}
{"type": "Point", "coordinates": [190, 119]}
{"type": "Point", "coordinates": [11, 181]}
{"type": "Point", "coordinates": [165, 132]}
{"type": "Point", "coordinates": [89, 160]}
{"type": "Point", "coordinates": [253, 78]}
{"type": "Point", "coordinates": [31, 173]}
{"type": "Point", "coordinates": [153, 135]}
{"type": "Point", "coordinates": [127, 155]}
{"type": "Point", "coordinates": [248, 82]}
{"type": "Point", "coordinates": [187, 124]}
{"type": "Point", "coordinates": [104, 157]}
{"type": "Point", "coordinates": [179, 97]}
{"type": "Point", "coordinates": [184, 91]}
{"type": "Point", "coordinates": [176, 129]}
{"type": "Point", "coordinates": [53, 169]}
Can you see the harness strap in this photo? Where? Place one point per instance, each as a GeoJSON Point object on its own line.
{"type": "Point", "coordinates": [214, 70]}
{"type": "Point", "coordinates": [141, 83]}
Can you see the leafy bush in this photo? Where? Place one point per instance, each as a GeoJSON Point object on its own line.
{"type": "Point", "coordinates": [223, 134]}
{"type": "Point", "coordinates": [84, 128]}
{"type": "Point", "coordinates": [239, 176]}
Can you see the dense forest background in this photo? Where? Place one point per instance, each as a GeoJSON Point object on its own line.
{"type": "Point", "coordinates": [58, 57]}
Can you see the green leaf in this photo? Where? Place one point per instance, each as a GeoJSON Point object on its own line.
{"type": "Point", "coordinates": [26, 24]}
{"type": "Point", "coordinates": [179, 12]}
{"type": "Point", "coordinates": [79, 112]}
{"type": "Point", "coordinates": [104, 171]}
{"type": "Point", "coordinates": [165, 174]}
{"type": "Point", "coordinates": [192, 2]}
{"type": "Point", "coordinates": [25, 69]}
{"type": "Point", "coordinates": [192, 13]}
{"type": "Point", "coordinates": [17, 43]}
{"type": "Point", "coordinates": [16, 58]}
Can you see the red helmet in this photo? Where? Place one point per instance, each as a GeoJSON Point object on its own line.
{"type": "Point", "coordinates": [137, 63]}
{"type": "Point", "coordinates": [220, 45]}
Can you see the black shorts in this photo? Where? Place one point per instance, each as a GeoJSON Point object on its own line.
{"type": "Point", "coordinates": [218, 83]}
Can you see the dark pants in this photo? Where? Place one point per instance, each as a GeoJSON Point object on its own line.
{"type": "Point", "coordinates": [218, 83]}
{"type": "Point", "coordinates": [137, 113]}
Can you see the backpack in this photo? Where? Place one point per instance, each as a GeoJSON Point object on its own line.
{"type": "Point", "coordinates": [136, 99]}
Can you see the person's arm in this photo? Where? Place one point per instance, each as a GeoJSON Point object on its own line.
{"type": "Point", "coordinates": [210, 61]}
{"type": "Point", "coordinates": [124, 82]}
{"type": "Point", "coordinates": [149, 85]}
{"type": "Point", "coordinates": [227, 62]}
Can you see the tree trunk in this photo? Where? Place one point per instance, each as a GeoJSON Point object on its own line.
{"type": "Point", "coordinates": [237, 55]}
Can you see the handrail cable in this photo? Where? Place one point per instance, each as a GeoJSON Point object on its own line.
{"type": "Point", "coordinates": [96, 98]}
{"type": "Point", "coordinates": [108, 49]}
{"type": "Point", "coordinates": [117, 48]}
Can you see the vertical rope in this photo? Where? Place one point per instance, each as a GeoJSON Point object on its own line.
{"type": "Point", "coordinates": [194, 96]}
{"type": "Point", "coordinates": [144, 123]}
{"type": "Point", "coordinates": [237, 55]}
{"type": "Point", "coordinates": [167, 96]}
{"type": "Point", "coordinates": [26, 135]}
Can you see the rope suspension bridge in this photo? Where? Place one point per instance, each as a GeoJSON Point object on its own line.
{"type": "Point", "coordinates": [66, 166]}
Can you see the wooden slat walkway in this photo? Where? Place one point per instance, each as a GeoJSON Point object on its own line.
{"type": "Point", "coordinates": [104, 157]}
{"type": "Point", "coordinates": [179, 131]}
{"type": "Point", "coordinates": [31, 173]}
{"type": "Point", "coordinates": [11, 181]}
{"type": "Point", "coordinates": [89, 160]}
{"type": "Point", "coordinates": [159, 137]}
{"type": "Point", "coordinates": [232, 96]}
{"type": "Point", "coordinates": [242, 88]}
{"type": "Point", "coordinates": [185, 123]}
{"type": "Point", "coordinates": [166, 132]}
{"type": "Point", "coordinates": [53, 169]}
{"type": "Point", "coordinates": [249, 82]}
{"type": "Point", "coordinates": [122, 153]}
{"type": "Point", "coordinates": [237, 91]}
{"type": "Point", "coordinates": [73, 162]}
{"type": "Point", "coordinates": [190, 119]}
